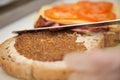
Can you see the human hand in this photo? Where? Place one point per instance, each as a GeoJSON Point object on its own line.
{"type": "Point", "coordinates": [95, 65]}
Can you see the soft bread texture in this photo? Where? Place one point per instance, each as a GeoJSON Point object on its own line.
{"type": "Point", "coordinates": [21, 67]}
{"type": "Point", "coordinates": [92, 41]}
{"type": "Point", "coordinates": [111, 39]}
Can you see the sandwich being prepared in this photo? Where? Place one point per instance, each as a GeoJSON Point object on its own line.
{"type": "Point", "coordinates": [38, 55]}
{"type": "Point", "coordinates": [81, 12]}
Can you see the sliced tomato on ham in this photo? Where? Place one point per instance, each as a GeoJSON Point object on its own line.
{"type": "Point", "coordinates": [83, 10]}
{"type": "Point", "coordinates": [95, 17]}
{"type": "Point", "coordinates": [95, 7]}
{"type": "Point", "coordinates": [61, 14]}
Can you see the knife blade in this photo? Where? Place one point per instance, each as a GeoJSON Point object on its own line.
{"type": "Point", "coordinates": [90, 24]}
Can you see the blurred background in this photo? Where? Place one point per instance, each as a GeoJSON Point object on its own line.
{"type": "Point", "coordinates": [11, 10]}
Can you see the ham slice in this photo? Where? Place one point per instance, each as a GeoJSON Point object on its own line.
{"type": "Point", "coordinates": [42, 22]}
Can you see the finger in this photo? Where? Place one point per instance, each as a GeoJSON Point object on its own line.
{"type": "Point", "coordinates": [94, 60]}
{"type": "Point", "coordinates": [82, 76]}
{"type": "Point", "coordinates": [74, 76]}
{"type": "Point", "coordinates": [77, 61]}
{"type": "Point", "coordinates": [109, 76]}
{"type": "Point", "coordinates": [79, 76]}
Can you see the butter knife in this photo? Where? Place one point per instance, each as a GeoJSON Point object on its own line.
{"type": "Point", "coordinates": [90, 24]}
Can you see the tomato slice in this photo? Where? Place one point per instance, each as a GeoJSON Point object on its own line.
{"type": "Point", "coordinates": [60, 14]}
{"type": "Point", "coordinates": [96, 17]}
{"type": "Point", "coordinates": [95, 7]}
{"type": "Point", "coordinates": [83, 10]}
{"type": "Point", "coordinates": [63, 7]}
{"type": "Point", "coordinates": [62, 11]}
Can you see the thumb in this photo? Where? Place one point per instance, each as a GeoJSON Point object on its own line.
{"type": "Point", "coordinates": [92, 61]}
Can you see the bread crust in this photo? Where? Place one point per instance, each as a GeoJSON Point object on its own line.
{"type": "Point", "coordinates": [21, 67]}
{"type": "Point", "coordinates": [31, 70]}
{"type": "Point", "coordinates": [8, 63]}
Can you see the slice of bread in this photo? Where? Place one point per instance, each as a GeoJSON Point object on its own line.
{"type": "Point", "coordinates": [42, 10]}
{"type": "Point", "coordinates": [92, 41]}
{"type": "Point", "coordinates": [111, 39]}
{"type": "Point", "coordinates": [21, 67]}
